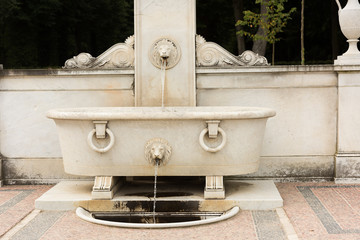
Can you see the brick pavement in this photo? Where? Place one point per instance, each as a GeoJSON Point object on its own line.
{"type": "Point", "coordinates": [315, 211]}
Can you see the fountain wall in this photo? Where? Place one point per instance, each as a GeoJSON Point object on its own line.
{"type": "Point", "coordinates": [313, 135]}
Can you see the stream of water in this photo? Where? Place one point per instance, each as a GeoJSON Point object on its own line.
{"type": "Point", "coordinates": [163, 68]}
{"type": "Point", "coordinates": [155, 181]}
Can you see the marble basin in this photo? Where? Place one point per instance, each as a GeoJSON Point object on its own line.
{"type": "Point", "coordinates": [202, 141]}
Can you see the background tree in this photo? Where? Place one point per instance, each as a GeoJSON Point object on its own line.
{"type": "Point", "coordinates": [302, 33]}
{"type": "Point", "coordinates": [238, 6]}
{"type": "Point", "coordinates": [269, 22]}
{"type": "Point", "coordinates": [260, 38]}
{"type": "Point", "coordinates": [45, 33]}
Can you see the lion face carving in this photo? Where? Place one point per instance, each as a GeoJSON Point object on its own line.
{"type": "Point", "coordinates": [157, 149]}
{"type": "Point", "coordinates": [164, 50]}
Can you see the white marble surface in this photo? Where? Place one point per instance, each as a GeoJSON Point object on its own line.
{"type": "Point", "coordinates": [65, 195]}
{"type": "Point", "coordinates": [69, 81]}
{"type": "Point", "coordinates": [176, 22]}
{"type": "Point", "coordinates": [305, 123]}
{"type": "Point", "coordinates": [305, 98]}
{"type": "Point", "coordinates": [348, 155]}
{"type": "Point", "coordinates": [248, 195]}
{"type": "Point", "coordinates": [301, 167]}
{"type": "Point", "coordinates": [24, 101]}
{"type": "Point", "coordinates": [25, 130]}
{"type": "Point", "coordinates": [180, 127]}
{"type": "Point", "coordinates": [35, 171]}
{"type": "Point", "coordinates": [349, 112]}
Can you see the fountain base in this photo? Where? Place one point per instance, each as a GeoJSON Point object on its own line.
{"type": "Point", "coordinates": [137, 196]}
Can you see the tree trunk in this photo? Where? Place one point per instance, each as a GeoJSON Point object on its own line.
{"type": "Point", "coordinates": [260, 44]}
{"type": "Point", "coordinates": [302, 33]}
{"type": "Point", "coordinates": [273, 54]}
{"type": "Point", "coordinates": [238, 6]}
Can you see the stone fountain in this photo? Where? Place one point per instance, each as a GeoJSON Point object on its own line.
{"type": "Point", "coordinates": [165, 129]}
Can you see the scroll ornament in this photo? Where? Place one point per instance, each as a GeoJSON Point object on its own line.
{"type": "Point", "coordinates": [120, 55]}
{"type": "Point", "coordinates": [209, 54]}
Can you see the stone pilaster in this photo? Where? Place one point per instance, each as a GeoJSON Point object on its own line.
{"type": "Point", "coordinates": [165, 21]}
{"type": "Point", "coordinates": [347, 165]}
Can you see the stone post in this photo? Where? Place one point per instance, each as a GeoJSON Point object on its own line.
{"type": "Point", "coordinates": [347, 165]}
{"type": "Point", "coordinates": [347, 159]}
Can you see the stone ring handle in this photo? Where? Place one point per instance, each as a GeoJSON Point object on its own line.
{"type": "Point", "coordinates": [101, 150]}
{"type": "Point", "coordinates": [209, 149]}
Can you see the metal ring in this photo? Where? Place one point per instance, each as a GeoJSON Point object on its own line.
{"type": "Point", "coordinates": [209, 149]}
{"type": "Point", "coordinates": [101, 150]}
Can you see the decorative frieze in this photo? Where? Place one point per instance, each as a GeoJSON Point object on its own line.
{"type": "Point", "coordinates": [208, 54]}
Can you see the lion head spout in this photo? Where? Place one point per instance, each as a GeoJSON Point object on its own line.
{"type": "Point", "coordinates": [157, 150]}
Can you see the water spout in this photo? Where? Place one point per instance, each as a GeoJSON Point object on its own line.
{"type": "Point", "coordinates": [157, 151]}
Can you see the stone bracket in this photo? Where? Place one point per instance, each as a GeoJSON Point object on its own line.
{"type": "Point", "coordinates": [213, 128]}
{"type": "Point", "coordinates": [100, 127]}
{"type": "Point", "coordinates": [105, 187]}
{"type": "Point", "coordinates": [214, 187]}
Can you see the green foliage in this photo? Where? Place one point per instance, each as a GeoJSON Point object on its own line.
{"type": "Point", "coordinates": [273, 21]}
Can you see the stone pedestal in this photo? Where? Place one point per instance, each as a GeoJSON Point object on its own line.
{"type": "Point", "coordinates": [248, 195]}
{"type": "Point", "coordinates": [348, 60]}
{"type": "Point", "coordinates": [351, 57]}
{"type": "Point", "coordinates": [214, 187]}
{"type": "Point", "coordinates": [348, 145]}
{"type": "Point", "coordinates": [105, 187]}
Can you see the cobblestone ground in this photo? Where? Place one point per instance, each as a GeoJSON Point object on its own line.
{"type": "Point", "coordinates": [311, 211]}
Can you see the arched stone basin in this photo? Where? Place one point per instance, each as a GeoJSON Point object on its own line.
{"type": "Point", "coordinates": [133, 127]}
